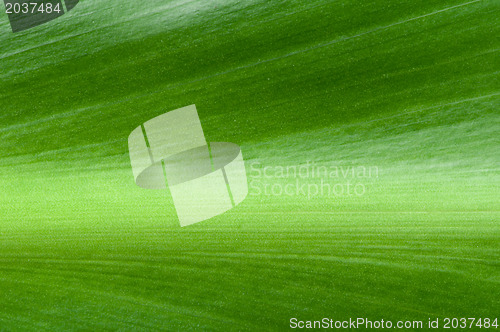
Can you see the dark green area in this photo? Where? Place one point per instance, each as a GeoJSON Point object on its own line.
{"type": "Point", "coordinates": [410, 87]}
